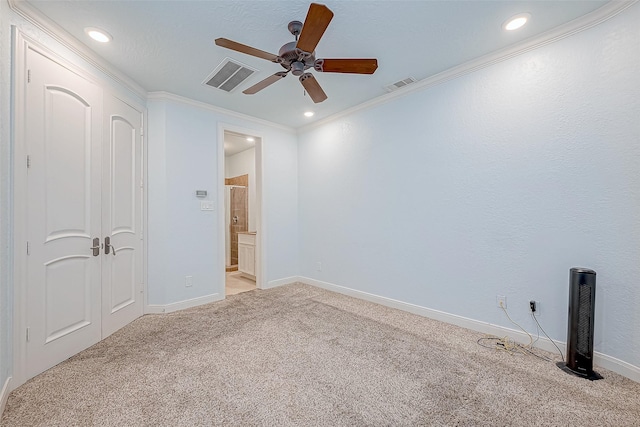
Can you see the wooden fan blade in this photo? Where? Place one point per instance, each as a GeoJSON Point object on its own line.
{"type": "Point", "coordinates": [312, 87]}
{"type": "Point", "coordinates": [355, 66]}
{"type": "Point", "coordinates": [314, 26]}
{"type": "Point", "coordinates": [243, 48]}
{"type": "Point", "coordinates": [264, 83]}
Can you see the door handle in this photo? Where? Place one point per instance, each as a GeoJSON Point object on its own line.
{"type": "Point", "coordinates": [96, 246]}
{"type": "Point", "coordinates": [108, 247]}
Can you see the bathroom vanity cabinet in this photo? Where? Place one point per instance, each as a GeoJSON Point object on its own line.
{"type": "Point", "coordinates": [247, 254]}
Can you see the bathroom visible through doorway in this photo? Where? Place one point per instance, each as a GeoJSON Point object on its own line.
{"type": "Point", "coordinates": [240, 211]}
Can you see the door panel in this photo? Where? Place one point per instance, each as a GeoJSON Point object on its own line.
{"type": "Point", "coordinates": [63, 138]}
{"type": "Point", "coordinates": [123, 279]}
{"type": "Point", "coordinates": [123, 176]}
{"type": "Point", "coordinates": [67, 299]}
{"type": "Point", "coordinates": [122, 298]}
{"type": "Point", "coordinates": [67, 205]}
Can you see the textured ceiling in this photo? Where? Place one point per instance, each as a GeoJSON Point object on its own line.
{"type": "Point", "coordinates": [168, 45]}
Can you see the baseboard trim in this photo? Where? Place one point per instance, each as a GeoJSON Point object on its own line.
{"type": "Point", "coordinates": [281, 282]}
{"type": "Point", "coordinates": [4, 395]}
{"type": "Point", "coordinates": [608, 362]}
{"type": "Point", "coordinates": [181, 305]}
{"type": "Point", "coordinates": [618, 366]}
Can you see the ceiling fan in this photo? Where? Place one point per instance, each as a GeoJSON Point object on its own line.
{"type": "Point", "coordinates": [298, 56]}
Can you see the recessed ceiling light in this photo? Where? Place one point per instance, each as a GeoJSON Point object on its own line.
{"type": "Point", "coordinates": [250, 139]}
{"type": "Point", "coordinates": [98, 35]}
{"type": "Point", "coordinates": [516, 22]}
{"type": "Point", "coordinates": [309, 114]}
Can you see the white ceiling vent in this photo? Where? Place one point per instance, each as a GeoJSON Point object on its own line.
{"type": "Point", "coordinates": [399, 84]}
{"type": "Point", "coordinates": [228, 75]}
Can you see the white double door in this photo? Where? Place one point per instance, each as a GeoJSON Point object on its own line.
{"type": "Point", "coordinates": [83, 187]}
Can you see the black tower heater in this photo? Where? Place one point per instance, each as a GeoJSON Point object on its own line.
{"type": "Point", "coordinates": [582, 297]}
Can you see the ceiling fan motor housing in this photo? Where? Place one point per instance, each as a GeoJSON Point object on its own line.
{"type": "Point", "coordinates": [295, 59]}
{"type": "Point", "coordinates": [297, 68]}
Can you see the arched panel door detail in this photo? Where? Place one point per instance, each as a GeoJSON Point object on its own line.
{"type": "Point", "coordinates": [83, 189]}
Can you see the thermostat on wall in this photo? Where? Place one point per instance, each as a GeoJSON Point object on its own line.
{"type": "Point", "coordinates": [201, 193]}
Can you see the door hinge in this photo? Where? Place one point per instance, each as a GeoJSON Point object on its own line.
{"type": "Point", "coordinates": [28, 329]}
{"type": "Point", "coordinates": [28, 162]}
{"type": "Point", "coordinates": [141, 131]}
{"type": "Point", "coordinates": [141, 183]}
{"type": "Point", "coordinates": [28, 248]}
{"type": "Point", "coordinates": [28, 76]}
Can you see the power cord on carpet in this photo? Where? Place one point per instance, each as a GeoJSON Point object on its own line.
{"type": "Point", "coordinates": [511, 346]}
{"type": "Point", "coordinates": [521, 328]}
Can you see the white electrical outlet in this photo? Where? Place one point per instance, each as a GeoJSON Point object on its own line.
{"type": "Point", "coordinates": [188, 281]}
{"type": "Point", "coordinates": [319, 266]}
{"type": "Point", "coordinates": [501, 301]}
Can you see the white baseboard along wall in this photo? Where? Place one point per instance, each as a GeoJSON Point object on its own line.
{"type": "Point", "coordinates": [181, 305]}
{"type": "Point", "coordinates": [608, 362]}
{"type": "Point", "coordinates": [4, 395]}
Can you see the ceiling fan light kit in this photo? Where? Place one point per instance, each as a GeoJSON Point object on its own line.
{"type": "Point", "coordinates": [299, 56]}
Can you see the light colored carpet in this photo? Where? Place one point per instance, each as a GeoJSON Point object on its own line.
{"type": "Point", "coordinates": [298, 355]}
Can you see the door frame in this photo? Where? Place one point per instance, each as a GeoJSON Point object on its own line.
{"type": "Point", "coordinates": [261, 229]}
{"type": "Point", "coordinates": [18, 195]}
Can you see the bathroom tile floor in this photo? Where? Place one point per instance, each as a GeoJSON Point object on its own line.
{"type": "Point", "coordinates": [236, 284]}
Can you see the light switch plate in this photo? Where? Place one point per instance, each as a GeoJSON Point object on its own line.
{"type": "Point", "coordinates": [206, 205]}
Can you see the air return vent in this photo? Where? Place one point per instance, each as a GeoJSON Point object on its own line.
{"type": "Point", "coordinates": [397, 85]}
{"type": "Point", "coordinates": [228, 75]}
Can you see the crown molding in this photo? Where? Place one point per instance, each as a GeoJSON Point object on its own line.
{"type": "Point", "coordinates": [606, 12]}
{"type": "Point", "coordinates": [56, 32]}
{"type": "Point", "coordinates": [168, 96]}
{"type": "Point", "coordinates": [578, 25]}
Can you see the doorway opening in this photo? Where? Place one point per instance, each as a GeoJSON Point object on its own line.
{"type": "Point", "coordinates": [240, 212]}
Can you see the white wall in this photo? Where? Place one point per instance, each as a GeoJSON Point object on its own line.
{"type": "Point", "coordinates": [494, 183]}
{"type": "Point", "coordinates": [240, 164]}
{"type": "Point", "coordinates": [182, 150]}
